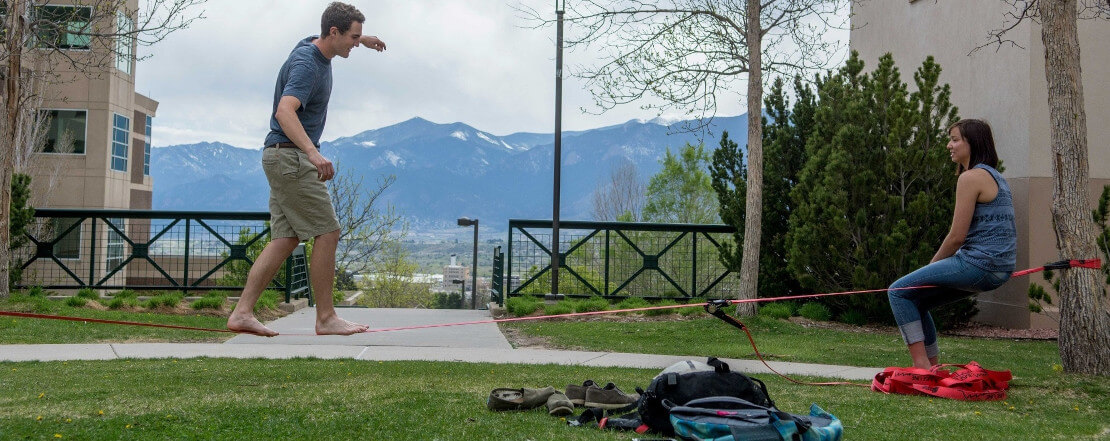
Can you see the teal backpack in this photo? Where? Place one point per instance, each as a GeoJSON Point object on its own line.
{"type": "Point", "coordinates": [735, 419]}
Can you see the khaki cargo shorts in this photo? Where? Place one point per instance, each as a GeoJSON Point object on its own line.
{"type": "Point", "coordinates": [300, 205]}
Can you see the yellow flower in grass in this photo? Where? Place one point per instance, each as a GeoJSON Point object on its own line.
{"type": "Point", "coordinates": [127, 426]}
{"type": "Point", "coordinates": [57, 435]}
{"type": "Point", "coordinates": [39, 418]}
{"type": "Point", "coordinates": [100, 412]}
{"type": "Point", "coordinates": [42, 395]}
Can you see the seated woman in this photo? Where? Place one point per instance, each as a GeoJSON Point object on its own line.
{"type": "Point", "coordinates": [979, 253]}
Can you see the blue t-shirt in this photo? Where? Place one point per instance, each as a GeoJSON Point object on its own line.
{"type": "Point", "coordinates": [306, 75]}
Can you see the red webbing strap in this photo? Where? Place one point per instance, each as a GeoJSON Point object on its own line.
{"type": "Point", "coordinates": [1063, 264]}
{"type": "Point", "coordinates": [969, 382]}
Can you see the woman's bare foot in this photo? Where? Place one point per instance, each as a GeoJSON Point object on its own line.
{"type": "Point", "coordinates": [338, 326]}
{"type": "Point", "coordinates": [249, 325]}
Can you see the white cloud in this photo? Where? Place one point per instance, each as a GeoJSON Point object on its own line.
{"type": "Point", "coordinates": [447, 61]}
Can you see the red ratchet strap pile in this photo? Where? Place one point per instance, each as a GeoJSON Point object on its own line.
{"type": "Point", "coordinates": [968, 383]}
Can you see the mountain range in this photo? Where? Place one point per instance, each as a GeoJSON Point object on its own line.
{"type": "Point", "coordinates": [443, 171]}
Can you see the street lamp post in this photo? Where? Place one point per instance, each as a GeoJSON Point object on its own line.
{"type": "Point", "coordinates": [558, 165]}
{"type": "Point", "coordinates": [466, 222]}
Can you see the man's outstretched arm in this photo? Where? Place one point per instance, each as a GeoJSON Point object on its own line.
{"type": "Point", "coordinates": [372, 42]}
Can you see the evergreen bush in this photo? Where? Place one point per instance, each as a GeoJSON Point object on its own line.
{"type": "Point", "coordinates": [815, 311]}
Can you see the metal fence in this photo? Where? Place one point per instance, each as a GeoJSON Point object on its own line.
{"type": "Point", "coordinates": [149, 250]}
{"type": "Point", "coordinates": [619, 260]}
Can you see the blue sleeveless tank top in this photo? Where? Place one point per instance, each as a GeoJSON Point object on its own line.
{"type": "Point", "coordinates": [991, 242]}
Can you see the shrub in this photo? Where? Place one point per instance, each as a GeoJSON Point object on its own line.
{"type": "Point", "coordinates": [269, 300]}
{"type": "Point", "coordinates": [563, 307]}
{"type": "Point", "coordinates": [633, 303]}
{"type": "Point", "coordinates": [88, 293]}
{"type": "Point", "coordinates": [854, 317]}
{"type": "Point", "coordinates": [443, 300]}
{"type": "Point", "coordinates": [777, 310]}
{"type": "Point", "coordinates": [126, 294]}
{"type": "Point", "coordinates": [36, 291]}
{"type": "Point", "coordinates": [209, 302]}
{"type": "Point", "coordinates": [523, 305]}
{"type": "Point", "coordinates": [169, 300]}
{"type": "Point", "coordinates": [119, 302]}
{"type": "Point", "coordinates": [76, 302]}
{"type": "Point", "coordinates": [658, 312]}
{"type": "Point", "coordinates": [815, 311]}
{"type": "Point", "coordinates": [591, 304]}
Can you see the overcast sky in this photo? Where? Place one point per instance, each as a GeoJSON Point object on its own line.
{"type": "Point", "coordinates": [471, 61]}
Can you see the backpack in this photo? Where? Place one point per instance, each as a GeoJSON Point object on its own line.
{"type": "Point", "coordinates": [686, 381]}
{"type": "Point", "coordinates": [735, 419]}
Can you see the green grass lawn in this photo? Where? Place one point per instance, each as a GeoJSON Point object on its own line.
{"type": "Point", "coordinates": [781, 340]}
{"type": "Point", "coordinates": [18, 330]}
{"type": "Point", "coordinates": [344, 399]}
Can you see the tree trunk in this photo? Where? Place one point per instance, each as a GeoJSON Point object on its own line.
{"type": "Point", "coordinates": [13, 40]}
{"type": "Point", "coordinates": [1084, 324]}
{"type": "Point", "coordinates": [753, 216]}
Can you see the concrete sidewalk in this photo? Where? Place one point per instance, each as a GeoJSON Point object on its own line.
{"type": "Point", "coordinates": [472, 343]}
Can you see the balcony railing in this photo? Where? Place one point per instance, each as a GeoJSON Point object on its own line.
{"type": "Point", "coordinates": [150, 250]}
{"type": "Point", "coordinates": [618, 260]}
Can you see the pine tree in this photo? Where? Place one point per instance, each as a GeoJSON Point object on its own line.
{"type": "Point", "coordinates": [875, 197]}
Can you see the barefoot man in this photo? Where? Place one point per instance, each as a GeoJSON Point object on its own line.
{"type": "Point", "coordinates": [300, 207]}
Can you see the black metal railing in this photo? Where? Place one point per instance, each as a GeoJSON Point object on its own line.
{"type": "Point", "coordinates": [619, 259]}
{"type": "Point", "coordinates": [149, 250]}
{"type": "Point", "coordinates": [497, 279]}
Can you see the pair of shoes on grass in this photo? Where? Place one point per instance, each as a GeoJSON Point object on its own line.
{"type": "Point", "coordinates": [609, 397]}
{"type": "Point", "coordinates": [504, 399]}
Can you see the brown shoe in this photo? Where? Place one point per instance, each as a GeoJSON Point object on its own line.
{"type": "Point", "coordinates": [559, 405]}
{"type": "Point", "coordinates": [502, 399]}
{"type": "Point", "coordinates": [610, 397]}
{"type": "Point", "coordinates": [577, 394]}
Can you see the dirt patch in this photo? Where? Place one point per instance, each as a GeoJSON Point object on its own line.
{"type": "Point", "coordinates": [520, 340]}
{"type": "Point", "coordinates": [837, 326]}
{"type": "Point", "coordinates": [983, 331]}
{"type": "Point", "coordinates": [975, 330]}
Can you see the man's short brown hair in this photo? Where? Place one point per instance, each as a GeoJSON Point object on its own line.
{"type": "Point", "coordinates": [340, 16]}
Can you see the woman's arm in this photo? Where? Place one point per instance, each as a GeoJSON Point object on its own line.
{"type": "Point", "coordinates": [968, 187]}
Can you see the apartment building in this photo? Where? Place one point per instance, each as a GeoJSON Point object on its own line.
{"type": "Point", "coordinates": [97, 146]}
{"type": "Point", "coordinates": [1005, 86]}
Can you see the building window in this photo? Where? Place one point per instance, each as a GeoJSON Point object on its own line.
{"type": "Point", "coordinates": [69, 245]}
{"type": "Point", "coordinates": [121, 126]}
{"type": "Point", "coordinates": [116, 243]}
{"type": "Point", "coordinates": [63, 26]}
{"type": "Point", "coordinates": [146, 149]}
{"type": "Point", "coordinates": [124, 27]}
{"type": "Point", "coordinates": [66, 133]}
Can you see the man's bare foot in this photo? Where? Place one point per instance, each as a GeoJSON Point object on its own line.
{"type": "Point", "coordinates": [338, 326]}
{"type": "Point", "coordinates": [249, 325]}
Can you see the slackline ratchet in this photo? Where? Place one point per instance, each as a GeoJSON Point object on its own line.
{"type": "Point", "coordinates": [718, 304]}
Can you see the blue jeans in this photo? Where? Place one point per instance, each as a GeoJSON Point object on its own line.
{"type": "Point", "coordinates": [954, 279]}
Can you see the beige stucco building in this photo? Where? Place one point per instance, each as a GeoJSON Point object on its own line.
{"type": "Point", "coordinates": [1005, 86]}
{"type": "Point", "coordinates": [108, 123]}
{"type": "Point", "coordinates": [97, 143]}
